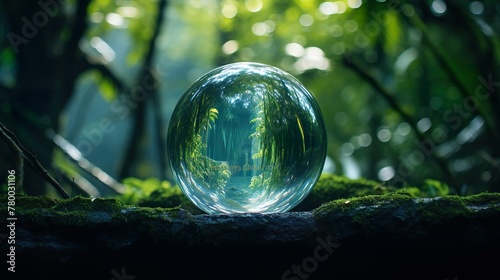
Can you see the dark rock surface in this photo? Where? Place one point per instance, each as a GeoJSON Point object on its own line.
{"type": "Point", "coordinates": [392, 236]}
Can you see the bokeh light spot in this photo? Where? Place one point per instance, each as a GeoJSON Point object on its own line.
{"type": "Point", "coordinates": [403, 129]}
{"type": "Point", "coordinates": [254, 5]}
{"type": "Point", "coordinates": [386, 173]}
{"type": "Point", "coordinates": [229, 11]}
{"type": "Point", "coordinates": [438, 7]}
{"type": "Point", "coordinates": [306, 20]}
{"type": "Point", "coordinates": [347, 149]}
{"type": "Point", "coordinates": [424, 124]}
{"type": "Point", "coordinates": [384, 134]}
{"type": "Point", "coordinates": [476, 7]}
{"type": "Point", "coordinates": [354, 4]}
{"type": "Point", "coordinates": [230, 47]}
{"type": "Point", "coordinates": [328, 8]}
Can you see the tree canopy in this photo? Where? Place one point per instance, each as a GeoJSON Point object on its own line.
{"type": "Point", "coordinates": [408, 89]}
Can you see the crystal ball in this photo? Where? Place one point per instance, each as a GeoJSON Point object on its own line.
{"type": "Point", "coordinates": [246, 137]}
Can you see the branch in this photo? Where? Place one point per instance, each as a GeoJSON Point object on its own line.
{"type": "Point", "coordinates": [65, 146]}
{"type": "Point", "coordinates": [69, 59]}
{"type": "Point", "coordinates": [106, 72]}
{"type": "Point", "coordinates": [140, 110]}
{"type": "Point", "coordinates": [415, 20]}
{"type": "Point", "coordinates": [85, 164]}
{"type": "Point", "coordinates": [488, 60]}
{"type": "Point", "coordinates": [379, 88]}
{"type": "Point", "coordinates": [11, 138]}
{"type": "Point", "coordinates": [19, 161]}
{"type": "Point", "coordinates": [161, 139]}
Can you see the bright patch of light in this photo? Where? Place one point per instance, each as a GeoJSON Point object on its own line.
{"type": "Point", "coordinates": [230, 47]}
{"type": "Point", "coordinates": [294, 49]}
{"type": "Point", "coordinates": [259, 29]}
{"type": "Point", "coordinates": [253, 5]}
{"type": "Point", "coordinates": [263, 28]}
{"type": "Point", "coordinates": [115, 20]}
{"type": "Point", "coordinates": [306, 20]}
{"type": "Point", "coordinates": [476, 7]}
{"type": "Point", "coordinates": [103, 48]}
{"type": "Point", "coordinates": [424, 124]}
{"type": "Point", "coordinates": [354, 4]}
{"type": "Point", "coordinates": [342, 7]}
{"type": "Point", "coordinates": [313, 58]}
{"type": "Point", "coordinates": [71, 150]}
{"type": "Point", "coordinates": [229, 11]}
{"type": "Point", "coordinates": [328, 8]}
{"type": "Point", "coordinates": [270, 25]}
{"type": "Point", "coordinates": [405, 59]}
{"type": "Point", "coordinates": [386, 173]}
{"type": "Point", "coordinates": [438, 7]}
{"type": "Point", "coordinates": [329, 166]}
{"type": "Point", "coordinates": [347, 149]}
{"type": "Point", "coordinates": [96, 17]}
{"type": "Point", "coordinates": [471, 131]}
{"type": "Point", "coordinates": [404, 129]}
{"type": "Point", "coordinates": [130, 12]}
{"type": "Point", "coordinates": [384, 135]}
{"type": "Point", "coordinates": [365, 140]}
{"type": "Point", "coordinates": [350, 167]}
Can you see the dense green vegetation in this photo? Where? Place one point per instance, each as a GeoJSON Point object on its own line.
{"type": "Point", "coordinates": [408, 90]}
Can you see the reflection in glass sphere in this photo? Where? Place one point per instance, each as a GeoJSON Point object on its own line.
{"type": "Point", "coordinates": [246, 137]}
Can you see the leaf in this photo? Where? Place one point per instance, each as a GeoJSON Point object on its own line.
{"type": "Point", "coordinates": [107, 89]}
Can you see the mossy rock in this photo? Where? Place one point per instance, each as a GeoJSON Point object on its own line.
{"type": "Point", "coordinates": [410, 236]}
{"type": "Point", "coordinates": [329, 187]}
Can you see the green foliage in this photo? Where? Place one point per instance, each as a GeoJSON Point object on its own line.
{"type": "Point", "coordinates": [206, 171]}
{"type": "Point", "coordinates": [138, 17]}
{"type": "Point", "coordinates": [413, 51]}
{"type": "Point", "coordinates": [416, 53]}
{"type": "Point", "coordinates": [154, 193]}
{"type": "Point", "coordinates": [431, 188]}
{"type": "Point", "coordinates": [4, 188]}
{"type": "Point", "coordinates": [137, 190]}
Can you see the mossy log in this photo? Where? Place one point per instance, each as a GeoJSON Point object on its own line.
{"type": "Point", "coordinates": [390, 236]}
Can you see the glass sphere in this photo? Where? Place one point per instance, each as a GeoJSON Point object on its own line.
{"type": "Point", "coordinates": [246, 137]}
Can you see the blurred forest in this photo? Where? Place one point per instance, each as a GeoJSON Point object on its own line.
{"type": "Point", "coordinates": [409, 89]}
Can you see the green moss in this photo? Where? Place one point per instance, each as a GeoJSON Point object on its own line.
{"type": "Point", "coordinates": [25, 201]}
{"type": "Point", "coordinates": [482, 198]}
{"type": "Point", "coordinates": [167, 199]}
{"type": "Point", "coordinates": [152, 192]}
{"type": "Point", "coordinates": [443, 209]}
{"type": "Point", "coordinates": [453, 208]}
{"type": "Point", "coordinates": [80, 211]}
{"type": "Point", "coordinates": [80, 203]}
{"type": "Point", "coordinates": [344, 204]}
{"type": "Point", "coordinates": [332, 187]}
